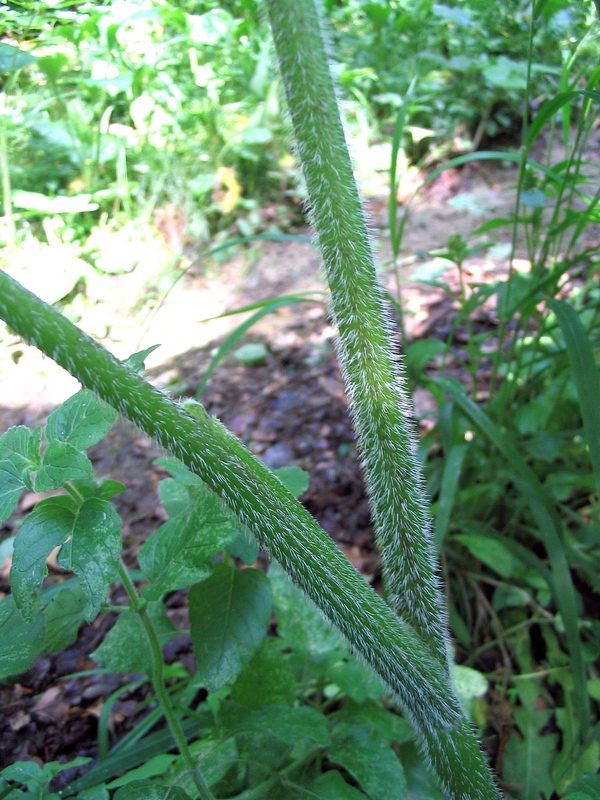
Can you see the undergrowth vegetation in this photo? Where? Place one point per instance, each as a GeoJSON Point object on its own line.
{"type": "Point", "coordinates": [128, 111]}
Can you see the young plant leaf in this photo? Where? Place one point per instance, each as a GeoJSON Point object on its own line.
{"type": "Point", "coordinates": [299, 621]}
{"type": "Point", "coordinates": [331, 786]}
{"type": "Point", "coordinates": [82, 420]}
{"type": "Point", "coordinates": [22, 640]}
{"type": "Point", "coordinates": [63, 617]}
{"type": "Point", "coordinates": [93, 551]}
{"type": "Point", "coordinates": [61, 462]}
{"type": "Point", "coordinates": [229, 615]}
{"type": "Point", "coordinates": [21, 446]}
{"type": "Point", "coordinates": [182, 550]}
{"type": "Point", "coordinates": [48, 526]}
{"type": "Point", "coordinates": [269, 670]}
{"type": "Point", "coordinates": [11, 488]}
{"type": "Point", "coordinates": [288, 723]}
{"type": "Point", "coordinates": [126, 647]}
{"type": "Point", "coordinates": [358, 753]}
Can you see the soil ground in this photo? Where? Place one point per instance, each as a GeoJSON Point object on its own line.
{"type": "Point", "coordinates": [290, 410]}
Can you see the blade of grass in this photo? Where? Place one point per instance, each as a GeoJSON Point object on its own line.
{"type": "Point", "coordinates": [448, 489]}
{"type": "Point", "coordinates": [549, 524]}
{"type": "Point", "coordinates": [267, 308]}
{"type": "Point", "coordinates": [585, 375]}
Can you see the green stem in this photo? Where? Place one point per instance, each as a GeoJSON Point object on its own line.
{"type": "Point", "coordinates": [158, 681]}
{"type": "Point", "coordinates": [384, 641]}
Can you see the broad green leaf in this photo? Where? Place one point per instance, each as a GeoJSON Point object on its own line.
{"type": "Point", "coordinates": [229, 615]}
{"type": "Point", "coordinates": [215, 759]}
{"type": "Point", "coordinates": [294, 479]}
{"type": "Point", "coordinates": [469, 684]}
{"type": "Point", "coordinates": [492, 553]}
{"type": "Point", "coordinates": [82, 420]}
{"type": "Point", "coordinates": [174, 496]}
{"type": "Point", "coordinates": [374, 765]}
{"type": "Point", "coordinates": [251, 355]}
{"type": "Point", "coordinates": [109, 489]}
{"type": "Point", "coordinates": [22, 447]}
{"type": "Point", "coordinates": [94, 551]}
{"type": "Point", "coordinates": [12, 58]}
{"type": "Point", "coordinates": [355, 679]}
{"type": "Point", "coordinates": [22, 641]}
{"type": "Point", "coordinates": [153, 767]}
{"type": "Point", "coordinates": [126, 647]}
{"type": "Point", "coordinates": [299, 621]}
{"type": "Point", "coordinates": [269, 670]}
{"type": "Point", "coordinates": [386, 726]}
{"type": "Point", "coordinates": [47, 527]}
{"type": "Point", "coordinates": [589, 785]}
{"type": "Point", "coordinates": [528, 758]}
{"type": "Point", "coordinates": [63, 617]}
{"type": "Point", "coordinates": [11, 487]}
{"type": "Point", "coordinates": [288, 723]}
{"type": "Point", "coordinates": [182, 550]}
{"type": "Point", "coordinates": [61, 462]}
{"type": "Point", "coordinates": [331, 786]}
{"type": "Point", "coordinates": [144, 789]}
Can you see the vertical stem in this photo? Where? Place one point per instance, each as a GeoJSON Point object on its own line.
{"type": "Point", "coordinates": [381, 409]}
{"type": "Point", "coordinates": [158, 681]}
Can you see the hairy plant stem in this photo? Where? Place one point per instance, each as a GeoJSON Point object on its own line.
{"type": "Point", "coordinates": [158, 681]}
{"type": "Point", "coordinates": [381, 409]}
{"type": "Point", "coordinates": [383, 640]}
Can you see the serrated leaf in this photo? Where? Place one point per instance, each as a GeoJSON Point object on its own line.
{"type": "Point", "coordinates": [182, 550]}
{"type": "Point", "coordinates": [299, 621]}
{"type": "Point", "coordinates": [22, 641]}
{"type": "Point", "coordinates": [331, 786]}
{"type": "Point", "coordinates": [288, 723]}
{"type": "Point", "coordinates": [11, 487]}
{"type": "Point", "coordinates": [126, 648]}
{"type": "Point", "coordinates": [47, 527]}
{"type": "Point", "coordinates": [61, 462]}
{"type": "Point", "coordinates": [95, 549]}
{"type": "Point", "coordinates": [63, 617]}
{"type": "Point", "coordinates": [82, 420]}
{"type": "Point", "coordinates": [294, 479]}
{"type": "Point", "coordinates": [528, 759]}
{"type": "Point", "coordinates": [21, 446]}
{"type": "Point", "coordinates": [229, 614]}
{"type": "Point", "coordinates": [374, 765]}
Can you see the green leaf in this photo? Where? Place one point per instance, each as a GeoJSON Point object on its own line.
{"type": "Point", "coordinates": [585, 374]}
{"type": "Point", "coordinates": [589, 785]}
{"type": "Point", "coordinates": [469, 684]}
{"type": "Point", "coordinates": [136, 361]}
{"type": "Point", "coordinates": [294, 479]}
{"type": "Point", "coordinates": [82, 420]}
{"type": "Point", "coordinates": [12, 58]}
{"type": "Point", "coordinates": [22, 641]}
{"type": "Point", "coordinates": [355, 679]}
{"type": "Point", "coordinates": [94, 551]}
{"type": "Point", "coordinates": [290, 724]}
{"type": "Point", "coordinates": [331, 786]}
{"type": "Point", "coordinates": [61, 462]}
{"type": "Point", "coordinates": [492, 553]}
{"type": "Point", "coordinates": [269, 670]}
{"type": "Point", "coordinates": [157, 765]}
{"type": "Point", "coordinates": [182, 550]}
{"type": "Point", "coordinates": [299, 621]}
{"type": "Point", "coordinates": [126, 647]}
{"type": "Point", "coordinates": [374, 765]}
{"type": "Point", "coordinates": [47, 527]}
{"type": "Point", "coordinates": [386, 726]}
{"type": "Point", "coordinates": [179, 471]}
{"type": "Point", "coordinates": [63, 617]}
{"type": "Point", "coordinates": [229, 615]}
{"type": "Point", "coordinates": [528, 759]}
{"type": "Point", "coordinates": [109, 489]}
{"type": "Point", "coordinates": [22, 447]}
{"type": "Point", "coordinates": [174, 496]}
{"type": "Point", "coordinates": [245, 546]}
{"type": "Point", "coordinates": [140, 789]}
{"type": "Point", "coordinates": [11, 487]}
{"type": "Point", "coordinates": [251, 355]}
